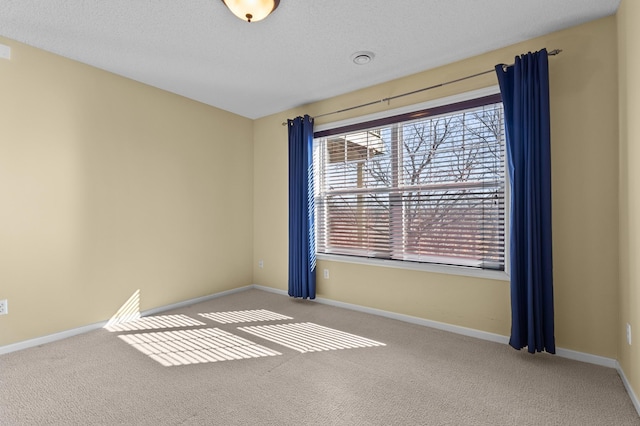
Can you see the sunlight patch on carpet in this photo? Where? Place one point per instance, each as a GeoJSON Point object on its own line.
{"type": "Point", "coordinates": [184, 347]}
{"type": "Point", "coordinates": [309, 337]}
{"type": "Point", "coordinates": [233, 317]}
{"type": "Point", "coordinates": [155, 323]}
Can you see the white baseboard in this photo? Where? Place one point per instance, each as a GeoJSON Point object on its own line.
{"type": "Point", "coordinates": [270, 289]}
{"type": "Point", "coordinates": [498, 338]}
{"type": "Point", "coordinates": [194, 301]}
{"type": "Point", "coordinates": [585, 357]}
{"type": "Point", "coordinates": [565, 353]}
{"type": "Point", "coordinates": [31, 343]}
{"type": "Point", "coordinates": [627, 386]}
{"type": "Point", "coordinates": [484, 335]}
{"type": "Point", "coordinates": [85, 329]}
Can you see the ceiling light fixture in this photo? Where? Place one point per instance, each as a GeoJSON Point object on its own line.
{"type": "Point", "coordinates": [251, 10]}
{"type": "Point", "coordinates": [361, 58]}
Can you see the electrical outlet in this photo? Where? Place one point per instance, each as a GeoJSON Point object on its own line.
{"type": "Point", "coordinates": [4, 307]}
{"type": "Point", "coordinates": [326, 274]}
{"type": "Point", "coordinates": [261, 263]}
{"type": "Point", "coordinates": [629, 334]}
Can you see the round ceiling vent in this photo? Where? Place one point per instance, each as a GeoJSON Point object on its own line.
{"type": "Point", "coordinates": [362, 58]}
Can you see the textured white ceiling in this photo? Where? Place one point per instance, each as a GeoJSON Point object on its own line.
{"type": "Point", "coordinates": [299, 54]}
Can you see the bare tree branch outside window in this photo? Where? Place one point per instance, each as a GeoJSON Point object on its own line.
{"type": "Point", "coordinates": [428, 190]}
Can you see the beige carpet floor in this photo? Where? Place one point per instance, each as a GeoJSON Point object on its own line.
{"type": "Point", "coordinates": [320, 366]}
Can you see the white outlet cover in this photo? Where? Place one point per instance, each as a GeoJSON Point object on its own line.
{"type": "Point", "coordinates": [5, 52]}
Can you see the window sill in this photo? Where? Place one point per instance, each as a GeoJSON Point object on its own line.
{"type": "Point", "coordinates": [425, 267]}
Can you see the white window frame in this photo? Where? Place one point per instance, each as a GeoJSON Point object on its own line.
{"type": "Point", "coordinates": [429, 267]}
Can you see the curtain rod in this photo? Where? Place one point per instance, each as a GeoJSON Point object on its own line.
{"type": "Point", "coordinates": [551, 53]}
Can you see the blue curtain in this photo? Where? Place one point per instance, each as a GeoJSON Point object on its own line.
{"type": "Point", "coordinates": [525, 95]}
{"type": "Point", "coordinates": [302, 252]}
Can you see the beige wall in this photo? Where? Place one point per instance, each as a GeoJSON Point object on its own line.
{"type": "Point", "coordinates": [629, 90]}
{"type": "Point", "coordinates": [109, 186]}
{"type": "Point", "coordinates": [585, 199]}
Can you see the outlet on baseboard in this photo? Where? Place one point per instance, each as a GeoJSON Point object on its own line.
{"type": "Point", "coordinates": [629, 334]}
{"type": "Point", "coordinates": [4, 307]}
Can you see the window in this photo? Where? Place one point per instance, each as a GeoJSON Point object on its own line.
{"type": "Point", "coordinates": [423, 187]}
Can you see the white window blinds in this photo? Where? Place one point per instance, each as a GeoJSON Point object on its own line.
{"type": "Point", "coordinates": [428, 189]}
